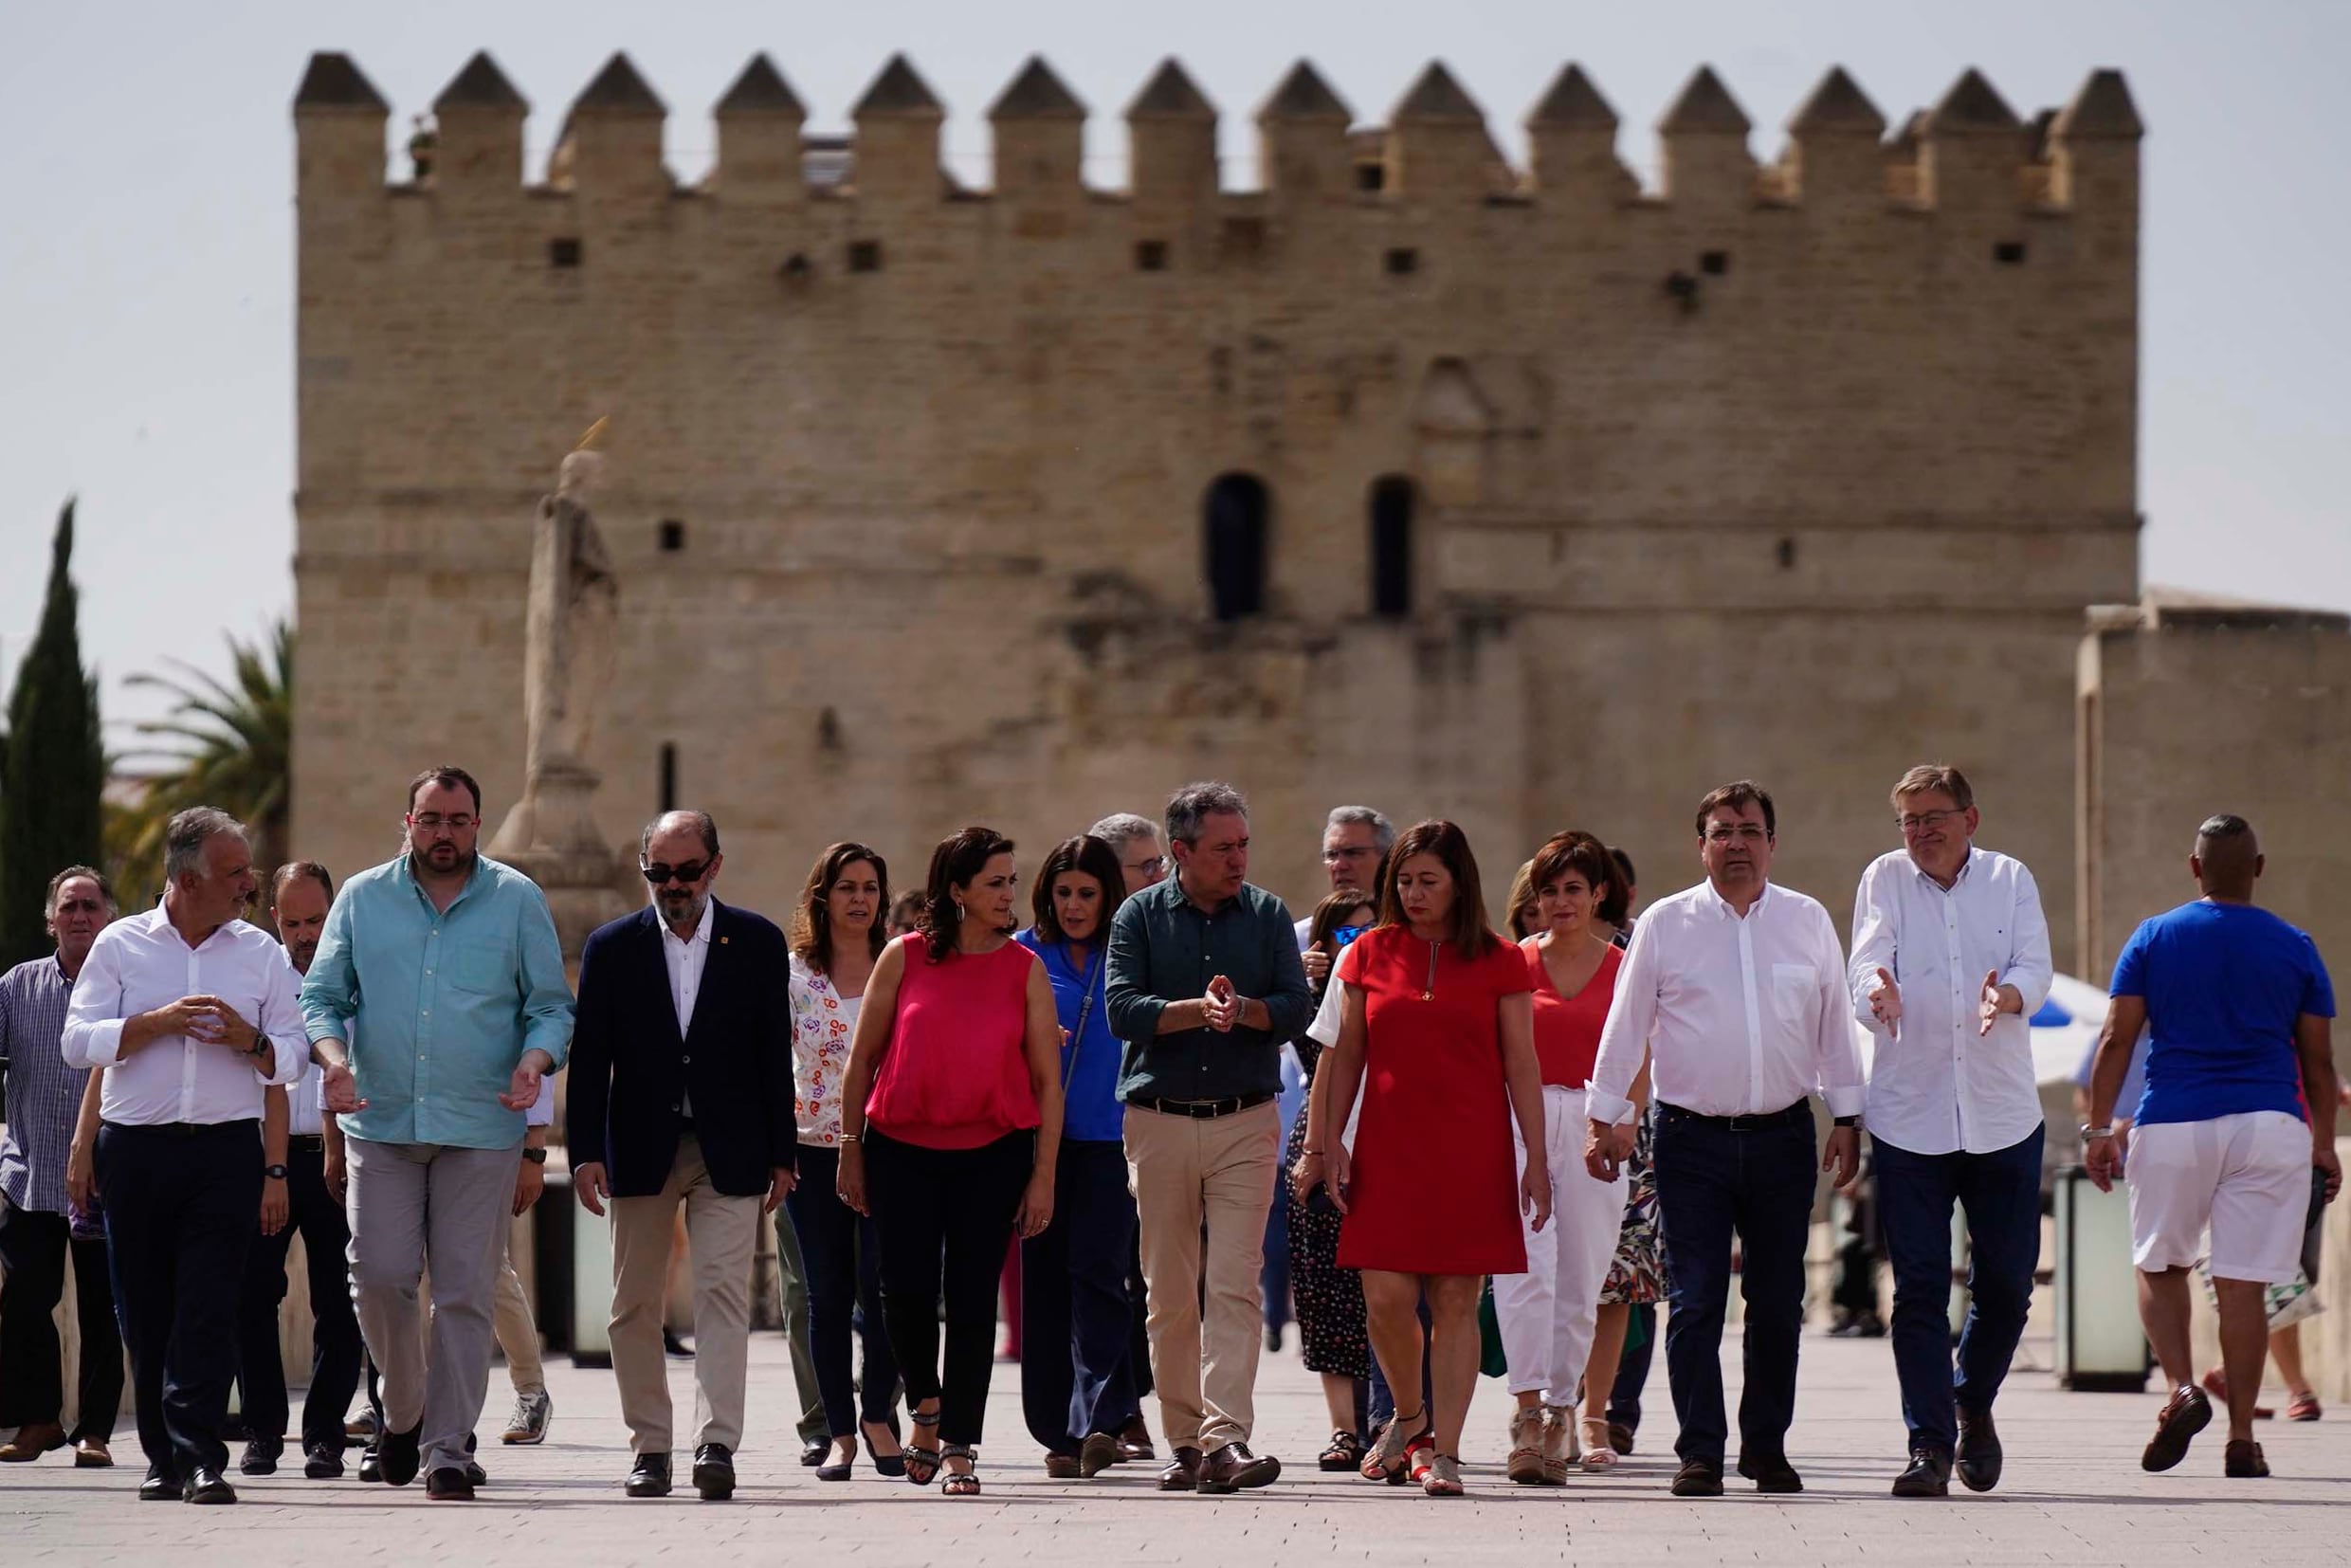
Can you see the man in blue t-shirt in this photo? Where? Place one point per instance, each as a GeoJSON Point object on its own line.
{"type": "Point", "coordinates": [2239, 1007]}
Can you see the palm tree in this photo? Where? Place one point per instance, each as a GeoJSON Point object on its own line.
{"type": "Point", "coordinates": [233, 749]}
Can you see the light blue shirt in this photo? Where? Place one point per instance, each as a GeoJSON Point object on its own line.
{"type": "Point", "coordinates": [442, 1004]}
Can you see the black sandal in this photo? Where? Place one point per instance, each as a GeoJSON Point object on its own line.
{"type": "Point", "coordinates": [960, 1484]}
{"type": "Point", "coordinates": [1346, 1452]}
{"type": "Point", "coordinates": [921, 1460]}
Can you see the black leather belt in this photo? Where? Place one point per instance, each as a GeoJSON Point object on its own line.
{"type": "Point", "coordinates": [1761, 1122]}
{"type": "Point", "coordinates": [244, 1128]}
{"type": "Point", "coordinates": [1202, 1109]}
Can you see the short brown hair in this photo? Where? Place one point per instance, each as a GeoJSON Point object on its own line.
{"type": "Point", "coordinates": [293, 871]}
{"type": "Point", "coordinates": [1934, 777]}
{"type": "Point", "coordinates": [1332, 913]}
{"type": "Point", "coordinates": [1450, 845]}
{"type": "Point", "coordinates": [1738, 794]}
{"type": "Point", "coordinates": [1574, 850]}
{"type": "Point", "coordinates": [450, 775]}
{"type": "Point", "coordinates": [812, 922]}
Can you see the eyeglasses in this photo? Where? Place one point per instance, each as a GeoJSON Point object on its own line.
{"type": "Point", "coordinates": [1746, 832]}
{"type": "Point", "coordinates": [658, 873]}
{"type": "Point", "coordinates": [1332, 857]}
{"type": "Point", "coordinates": [1926, 820]}
{"type": "Point", "coordinates": [1151, 868]}
{"type": "Point", "coordinates": [432, 822]}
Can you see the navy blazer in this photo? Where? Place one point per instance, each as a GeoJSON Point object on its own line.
{"type": "Point", "coordinates": [631, 1075]}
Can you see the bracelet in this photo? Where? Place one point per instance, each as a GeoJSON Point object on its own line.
{"type": "Point", "coordinates": [2091, 1135]}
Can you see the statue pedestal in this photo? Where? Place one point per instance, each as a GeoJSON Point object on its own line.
{"type": "Point", "coordinates": [551, 837]}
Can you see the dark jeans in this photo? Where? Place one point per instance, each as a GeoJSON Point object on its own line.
{"type": "Point", "coordinates": [33, 1250]}
{"type": "Point", "coordinates": [2001, 1193]}
{"type": "Point", "coordinates": [335, 1331]}
{"type": "Point", "coordinates": [1757, 1183]}
{"type": "Point", "coordinates": [1075, 1377]}
{"type": "Point", "coordinates": [843, 1262]}
{"type": "Point", "coordinates": [1624, 1398]}
{"type": "Point", "coordinates": [181, 1206]}
{"type": "Point", "coordinates": [1273, 1274]}
{"type": "Point", "coordinates": [944, 1218]}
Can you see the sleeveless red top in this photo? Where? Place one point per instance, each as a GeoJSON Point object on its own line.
{"type": "Point", "coordinates": [955, 1073]}
{"type": "Point", "coordinates": [1567, 1028]}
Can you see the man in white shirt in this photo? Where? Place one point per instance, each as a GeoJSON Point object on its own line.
{"type": "Point", "coordinates": [1733, 990]}
{"type": "Point", "coordinates": [300, 893]}
{"type": "Point", "coordinates": [191, 1013]}
{"type": "Point", "coordinates": [1950, 960]}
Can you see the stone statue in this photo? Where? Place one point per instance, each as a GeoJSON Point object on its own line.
{"type": "Point", "coordinates": [571, 648]}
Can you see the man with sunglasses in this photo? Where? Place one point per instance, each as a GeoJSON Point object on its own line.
{"type": "Point", "coordinates": [683, 1094]}
{"type": "Point", "coordinates": [439, 985]}
{"type": "Point", "coordinates": [1951, 957]}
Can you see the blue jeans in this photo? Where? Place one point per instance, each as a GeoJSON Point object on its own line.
{"type": "Point", "coordinates": [1075, 1375]}
{"type": "Point", "coordinates": [2001, 1193]}
{"type": "Point", "coordinates": [1712, 1182]}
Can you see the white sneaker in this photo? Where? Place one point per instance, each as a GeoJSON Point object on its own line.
{"type": "Point", "coordinates": [528, 1424]}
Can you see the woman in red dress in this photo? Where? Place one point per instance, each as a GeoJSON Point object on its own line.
{"type": "Point", "coordinates": [1437, 1035]}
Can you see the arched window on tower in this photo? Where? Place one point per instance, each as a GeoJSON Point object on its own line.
{"type": "Point", "coordinates": [1392, 547]}
{"type": "Point", "coordinates": [1234, 528]}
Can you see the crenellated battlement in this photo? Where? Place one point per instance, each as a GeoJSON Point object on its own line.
{"type": "Point", "coordinates": [1969, 154]}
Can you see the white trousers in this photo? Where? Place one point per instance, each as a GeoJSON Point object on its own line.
{"type": "Point", "coordinates": [1546, 1314]}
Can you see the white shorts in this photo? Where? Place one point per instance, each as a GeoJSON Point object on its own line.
{"type": "Point", "coordinates": [2247, 1177]}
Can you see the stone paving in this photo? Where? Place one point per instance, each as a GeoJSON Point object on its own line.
{"type": "Point", "coordinates": [2073, 1493]}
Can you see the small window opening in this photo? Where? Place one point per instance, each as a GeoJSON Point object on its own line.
{"type": "Point", "coordinates": [563, 252]}
{"type": "Point", "coordinates": [1392, 548]}
{"type": "Point", "coordinates": [1787, 555]}
{"type": "Point", "coordinates": [865, 255]}
{"type": "Point", "coordinates": [672, 535]}
{"type": "Point", "coordinates": [668, 777]}
{"type": "Point", "coordinates": [1151, 255]}
{"type": "Point", "coordinates": [2009, 252]}
{"type": "Point", "coordinates": [1233, 529]}
{"type": "Point", "coordinates": [1715, 263]}
{"type": "Point", "coordinates": [1403, 261]}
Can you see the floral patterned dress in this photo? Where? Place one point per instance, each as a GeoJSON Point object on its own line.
{"type": "Point", "coordinates": [1638, 1273]}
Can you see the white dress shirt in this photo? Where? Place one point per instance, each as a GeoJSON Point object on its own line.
{"type": "Point", "coordinates": [140, 963]}
{"type": "Point", "coordinates": [1738, 1017]}
{"type": "Point", "coordinates": [1936, 1086]}
{"type": "Point", "coordinates": [687, 957]}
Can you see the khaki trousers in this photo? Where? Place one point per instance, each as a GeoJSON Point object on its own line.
{"type": "Point", "coordinates": [517, 1331]}
{"type": "Point", "coordinates": [720, 1233]}
{"type": "Point", "coordinates": [1186, 1172]}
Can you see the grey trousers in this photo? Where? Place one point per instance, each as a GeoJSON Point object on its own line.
{"type": "Point", "coordinates": [793, 1275]}
{"type": "Point", "coordinates": [415, 1204]}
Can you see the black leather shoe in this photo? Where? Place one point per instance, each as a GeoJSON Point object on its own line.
{"type": "Point", "coordinates": [397, 1455]}
{"type": "Point", "coordinates": [159, 1487]}
{"type": "Point", "coordinates": [448, 1484]}
{"type": "Point", "coordinates": [648, 1476]}
{"type": "Point", "coordinates": [1980, 1452]}
{"type": "Point", "coordinates": [1232, 1468]}
{"type": "Point", "coordinates": [714, 1472]}
{"type": "Point", "coordinates": [476, 1475]}
{"type": "Point", "coordinates": [261, 1458]}
{"type": "Point", "coordinates": [1929, 1474]}
{"type": "Point", "coordinates": [372, 1465]}
{"type": "Point", "coordinates": [206, 1485]}
{"type": "Point", "coordinates": [1698, 1479]}
{"type": "Point", "coordinates": [1770, 1474]}
{"type": "Point", "coordinates": [322, 1461]}
{"type": "Point", "coordinates": [1182, 1473]}
{"type": "Point", "coordinates": [812, 1451]}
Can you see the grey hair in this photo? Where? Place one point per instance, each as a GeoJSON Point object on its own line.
{"type": "Point", "coordinates": [702, 825]}
{"type": "Point", "coordinates": [186, 834]}
{"type": "Point", "coordinates": [1121, 829]}
{"type": "Point", "coordinates": [1189, 805]}
{"type": "Point", "coordinates": [1383, 830]}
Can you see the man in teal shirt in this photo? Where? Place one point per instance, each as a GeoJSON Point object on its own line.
{"type": "Point", "coordinates": [439, 983]}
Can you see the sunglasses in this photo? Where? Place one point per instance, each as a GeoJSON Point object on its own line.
{"type": "Point", "coordinates": [1346, 933]}
{"type": "Point", "coordinates": [691, 872]}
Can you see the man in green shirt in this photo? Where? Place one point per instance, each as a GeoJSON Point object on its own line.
{"type": "Point", "coordinates": [1204, 987]}
{"type": "Point", "coordinates": [440, 984]}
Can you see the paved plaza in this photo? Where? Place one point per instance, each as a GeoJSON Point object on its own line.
{"type": "Point", "coordinates": [2073, 1494]}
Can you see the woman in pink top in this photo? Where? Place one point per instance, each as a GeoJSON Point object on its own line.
{"type": "Point", "coordinates": [1546, 1314]}
{"type": "Point", "coordinates": [950, 1134]}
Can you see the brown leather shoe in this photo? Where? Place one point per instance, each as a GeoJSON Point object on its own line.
{"type": "Point", "coordinates": [1134, 1443]}
{"type": "Point", "coordinates": [2187, 1412]}
{"type": "Point", "coordinates": [2243, 1460]}
{"type": "Point", "coordinates": [91, 1453]}
{"type": "Point", "coordinates": [1182, 1473]}
{"type": "Point", "coordinates": [1232, 1468]}
{"type": "Point", "coordinates": [32, 1441]}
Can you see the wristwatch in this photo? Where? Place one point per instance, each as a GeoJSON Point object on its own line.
{"type": "Point", "coordinates": [262, 1045]}
{"type": "Point", "coordinates": [536, 1156]}
{"type": "Point", "coordinates": [1848, 1121]}
{"type": "Point", "coordinates": [275, 1172]}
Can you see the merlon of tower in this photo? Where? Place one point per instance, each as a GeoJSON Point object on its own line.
{"type": "Point", "coordinates": [333, 81]}
{"type": "Point", "coordinates": [1572, 103]}
{"type": "Point", "coordinates": [1705, 106]}
{"type": "Point", "coordinates": [761, 90]}
{"type": "Point", "coordinates": [1037, 93]}
{"type": "Point", "coordinates": [480, 86]}
{"type": "Point", "coordinates": [1171, 95]}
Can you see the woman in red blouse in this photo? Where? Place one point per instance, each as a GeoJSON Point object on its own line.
{"type": "Point", "coordinates": [1546, 1314]}
{"type": "Point", "coordinates": [1437, 1034]}
{"type": "Point", "coordinates": [951, 1125]}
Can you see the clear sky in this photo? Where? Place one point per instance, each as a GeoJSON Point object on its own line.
{"type": "Point", "coordinates": [146, 237]}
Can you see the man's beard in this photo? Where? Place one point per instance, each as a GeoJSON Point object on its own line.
{"type": "Point", "coordinates": [446, 857]}
{"type": "Point", "coordinates": [684, 908]}
{"type": "Point", "coordinates": [299, 955]}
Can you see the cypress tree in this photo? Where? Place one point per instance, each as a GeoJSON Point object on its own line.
{"type": "Point", "coordinates": [54, 765]}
